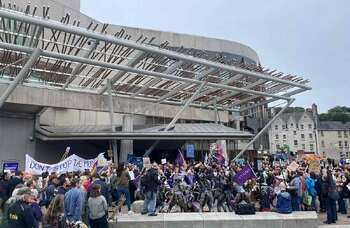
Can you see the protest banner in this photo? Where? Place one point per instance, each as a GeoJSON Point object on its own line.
{"type": "Point", "coordinates": [244, 174]}
{"type": "Point", "coordinates": [70, 164]}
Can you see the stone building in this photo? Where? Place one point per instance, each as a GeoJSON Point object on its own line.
{"type": "Point", "coordinates": [334, 139]}
{"type": "Point", "coordinates": [293, 131]}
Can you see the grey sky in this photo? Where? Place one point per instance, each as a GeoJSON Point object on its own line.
{"type": "Point", "coordinates": [310, 38]}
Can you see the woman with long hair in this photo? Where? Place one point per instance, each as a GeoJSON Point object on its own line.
{"type": "Point", "coordinates": [122, 185]}
{"type": "Point", "coordinates": [332, 197]}
{"type": "Point", "coordinates": [98, 209]}
{"type": "Point", "coordinates": [54, 216]}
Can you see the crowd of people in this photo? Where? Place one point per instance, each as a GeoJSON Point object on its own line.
{"type": "Point", "coordinates": [78, 198]}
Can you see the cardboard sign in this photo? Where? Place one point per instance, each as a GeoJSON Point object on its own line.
{"type": "Point", "coordinates": [146, 162]}
{"type": "Point", "coordinates": [293, 166]}
{"type": "Point", "coordinates": [315, 167]}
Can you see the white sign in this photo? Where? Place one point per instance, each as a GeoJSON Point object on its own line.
{"type": "Point", "coordinates": [71, 164]}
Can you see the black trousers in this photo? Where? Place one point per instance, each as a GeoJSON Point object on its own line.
{"type": "Point", "coordinates": [99, 223]}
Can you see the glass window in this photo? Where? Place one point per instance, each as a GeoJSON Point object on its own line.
{"type": "Point", "coordinates": [340, 143]}
{"type": "Point", "coordinates": [295, 132]}
{"type": "Point", "coordinates": [347, 154]}
{"type": "Point", "coordinates": [297, 125]}
{"type": "Point", "coordinates": [310, 126]}
{"type": "Point", "coordinates": [295, 142]}
{"type": "Point", "coordinates": [324, 154]}
{"type": "Point", "coordinates": [276, 136]}
{"type": "Point", "coordinates": [278, 146]}
{"type": "Point", "coordinates": [291, 124]}
{"type": "Point", "coordinates": [311, 147]}
{"type": "Point", "coordinates": [301, 126]}
{"type": "Point", "coordinates": [345, 134]}
{"type": "Point", "coordinates": [283, 126]}
{"type": "Point", "coordinates": [302, 136]}
{"type": "Point", "coordinates": [303, 146]}
{"type": "Point", "coordinates": [276, 127]}
{"type": "Point", "coordinates": [346, 144]}
{"type": "Point", "coordinates": [310, 136]}
{"type": "Point", "coordinates": [284, 137]}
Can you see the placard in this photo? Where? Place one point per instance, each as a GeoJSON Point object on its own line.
{"type": "Point", "coordinates": [314, 166]}
{"type": "Point", "coordinates": [11, 166]}
{"type": "Point", "coordinates": [190, 151]}
{"type": "Point", "coordinates": [146, 162]}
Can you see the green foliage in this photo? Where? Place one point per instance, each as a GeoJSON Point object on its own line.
{"type": "Point", "coordinates": [338, 113]}
{"type": "Point", "coordinates": [290, 109]}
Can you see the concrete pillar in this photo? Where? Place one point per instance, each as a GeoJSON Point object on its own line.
{"type": "Point", "coordinates": [126, 146]}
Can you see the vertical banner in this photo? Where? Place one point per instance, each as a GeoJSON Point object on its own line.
{"type": "Point", "coordinates": [190, 151]}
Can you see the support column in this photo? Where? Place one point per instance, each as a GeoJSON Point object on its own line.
{"type": "Point", "coordinates": [111, 116]}
{"type": "Point", "coordinates": [127, 146]}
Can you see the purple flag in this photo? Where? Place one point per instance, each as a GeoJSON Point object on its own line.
{"type": "Point", "coordinates": [179, 159]}
{"type": "Point", "coordinates": [245, 174]}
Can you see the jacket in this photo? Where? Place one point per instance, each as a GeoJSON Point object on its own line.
{"type": "Point", "coordinates": [284, 203]}
{"type": "Point", "coordinates": [310, 186]}
{"type": "Point", "coordinates": [73, 204]}
{"type": "Point", "coordinates": [150, 182]}
{"type": "Point", "coordinates": [20, 215]}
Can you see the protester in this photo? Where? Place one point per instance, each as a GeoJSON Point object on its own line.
{"type": "Point", "coordinates": [284, 201]}
{"type": "Point", "coordinates": [121, 185]}
{"type": "Point", "coordinates": [54, 217]}
{"type": "Point", "coordinates": [20, 213]}
{"type": "Point", "coordinates": [98, 209]}
{"type": "Point", "coordinates": [332, 197]}
{"type": "Point", "coordinates": [150, 183]}
{"type": "Point", "coordinates": [104, 187]}
{"type": "Point", "coordinates": [73, 202]}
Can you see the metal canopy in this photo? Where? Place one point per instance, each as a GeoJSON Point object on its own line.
{"type": "Point", "coordinates": [83, 59]}
{"type": "Point", "coordinates": [179, 132]}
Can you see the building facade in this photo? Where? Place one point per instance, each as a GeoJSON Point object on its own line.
{"type": "Point", "coordinates": [293, 132]}
{"type": "Point", "coordinates": [334, 139]}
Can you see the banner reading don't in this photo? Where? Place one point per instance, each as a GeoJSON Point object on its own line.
{"type": "Point", "coordinates": [70, 164]}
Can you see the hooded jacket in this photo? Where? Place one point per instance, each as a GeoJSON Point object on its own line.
{"type": "Point", "coordinates": [284, 203]}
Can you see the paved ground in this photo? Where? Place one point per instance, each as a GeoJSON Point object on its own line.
{"type": "Point", "coordinates": [343, 221]}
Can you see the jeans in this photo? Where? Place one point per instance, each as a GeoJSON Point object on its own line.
{"type": "Point", "coordinates": [341, 204]}
{"type": "Point", "coordinates": [296, 201]}
{"type": "Point", "coordinates": [149, 205]}
{"type": "Point", "coordinates": [99, 223]}
{"type": "Point", "coordinates": [331, 210]}
{"type": "Point", "coordinates": [125, 191]}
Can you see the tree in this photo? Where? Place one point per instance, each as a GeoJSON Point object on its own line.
{"type": "Point", "coordinates": [338, 113]}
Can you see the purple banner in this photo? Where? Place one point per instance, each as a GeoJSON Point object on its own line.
{"type": "Point", "coordinates": [245, 174]}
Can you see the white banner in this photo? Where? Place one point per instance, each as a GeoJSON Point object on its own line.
{"type": "Point", "coordinates": [71, 164]}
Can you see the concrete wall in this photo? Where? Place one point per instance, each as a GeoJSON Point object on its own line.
{"type": "Point", "coordinates": [16, 138]}
{"type": "Point", "coordinates": [93, 102]}
{"type": "Point", "coordinates": [222, 220]}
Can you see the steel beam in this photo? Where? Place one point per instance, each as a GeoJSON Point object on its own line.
{"type": "Point", "coordinates": [176, 117]}
{"type": "Point", "coordinates": [137, 71]}
{"type": "Point", "coordinates": [153, 82]}
{"type": "Point", "coordinates": [271, 100]}
{"type": "Point", "coordinates": [21, 75]}
{"type": "Point", "coordinates": [79, 65]}
{"type": "Point", "coordinates": [121, 73]}
{"type": "Point", "coordinates": [183, 86]}
{"type": "Point", "coordinates": [264, 129]}
{"type": "Point", "coordinates": [143, 47]}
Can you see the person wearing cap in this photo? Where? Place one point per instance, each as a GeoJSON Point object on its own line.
{"type": "Point", "coordinates": [284, 200]}
{"type": "Point", "coordinates": [20, 213]}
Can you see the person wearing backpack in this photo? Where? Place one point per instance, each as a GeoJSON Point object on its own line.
{"type": "Point", "coordinates": [150, 183]}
